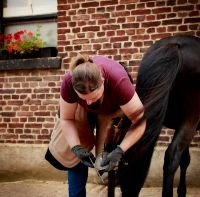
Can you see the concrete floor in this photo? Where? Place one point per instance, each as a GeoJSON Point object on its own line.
{"type": "Point", "coordinates": [35, 188]}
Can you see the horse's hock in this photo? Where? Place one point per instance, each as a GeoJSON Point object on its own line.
{"type": "Point", "coordinates": [19, 161]}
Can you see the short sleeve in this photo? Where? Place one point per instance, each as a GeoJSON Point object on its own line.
{"type": "Point", "coordinates": [124, 91]}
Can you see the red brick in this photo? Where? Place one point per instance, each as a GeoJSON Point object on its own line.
{"type": "Point", "coordinates": [108, 52]}
{"type": "Point", "coordinates": [108, 2]}
{"type": "Point", "coordinates": [172, 28]}
{"type": "Point", "coordinates": [33, 125]}
{"type": "Point", "coordinates": [119, 39]}
{"type": "Point", "coordinates": [120, 7]}
{"type": "Point", "coordinates": [161, 16]}
{"type": "Point", "coordinates": [8, 114]}
{"type": "Point", "coordinates": [18, 131]}
{"type": "Point", "coordinates": [110, 27]}
{"type": "Point", "coordinates": [127, 44]}
{"type": "Point", "coordinates": [192, 20]}
{"type": "Point", "coordinates": [183, 28]}
{"type": "Point", "coordinates": [26, 113]}
{"type": "Point", "coordinates": [64, 7]}
{"type": "Point", "coordinates": [107, 46]}
{"type": "Point", "coordinates": [138, 44]}
{"type": "Point", "coordinates": [90, 4]}
{"type": "Point", "coordinates": [75, 6]}
{"type": "Point", "coordinates": [183, 8]}
{"type": "Point", "coordinates": [110, 33]}
{"type": "Point", "coordinates": [3, 125]}
{"type": "Point", "coordinates": [151, 24]}
{"type": "Point", "coordinates": [141, 12]}
{"type": "Point", "coordinates": [49, 125]}
{"type": "Point", "coordinates": [61, 13]}
{"type": "Point", "coordinates": [17, 79]}
{"type": "Point", "coordinates": [15, 102]}
{"type": "Point", "coordinates": [43, 137]}
{"type": "Point", "coordinates": [62, 24]}
{"type": "Point", "coordinates": [42, 113]}
{"type": "Point", "coordinates": [41, 90]}
{"type": "Point", "coordinates": [128, 1]}
{"type": "Point", "coordinates": [172, 22]}
{"type": "Point", "coordinates": [120, 14]}
{"type": "Point", "coordinates": [141, 5]}
{"type": "Point", "coordinates": [26, 136]}
{"type": "Point", "coordinates": [10, 136]}
{"type": "Point", "coordinates": [194, 13]}
{"type": "Point", "coordinates": [160, 3]}
{"type": "Point", "coordinates": [193, 27]}
{"type": "Point", "coordinates": [126, 51]}
{"type": "Point", "coordinates": [15, 125]}
{"type": "Point", "coordinates": [7, 91]}
{"type": "Point", "coordinates": [20, 91]}
{"type": "Point", "coordinates": [161, 29]}
{"type": "Point", "coordinates": [171, 2]}
{"type": "Point", "coordinates": [130, 32]}
{"type": "Point", "coordinates": [159, 36]}
{"type": "Point", "coordinates": [161, 10]}
{"type": "Point", "coordinates": [182, 1]}
{"type": "Point", "coordinates": [91, 28]}
{"type": "Point", "coordinates": [151, 17]}
{"type": "Point", "coordinates": [171, 15]}
{"type": "Point", "coordinates": [99, 40]}
{"type": "Point", "coordinates": [130, 25]}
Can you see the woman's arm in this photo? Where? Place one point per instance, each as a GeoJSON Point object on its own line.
{"type": "Point", "coordinates": [67, 118]}
{"type": "Point", "coordinates": [135, 133]}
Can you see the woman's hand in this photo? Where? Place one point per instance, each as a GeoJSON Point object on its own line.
{"type": "Point", "coordinates": [86, 157]}
{"type": "Point", "coordinates": [111, 160]}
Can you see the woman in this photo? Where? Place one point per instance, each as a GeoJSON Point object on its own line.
{"type": "Point", "coordinates": [101, 86]}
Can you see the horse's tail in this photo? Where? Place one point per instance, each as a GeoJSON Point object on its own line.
{"type": "Point", "coordinates": [157, 73]}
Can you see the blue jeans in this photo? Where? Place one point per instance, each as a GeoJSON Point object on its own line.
{"type": "Point", "coordinates": [77, 179]}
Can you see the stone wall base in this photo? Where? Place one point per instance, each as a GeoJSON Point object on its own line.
{"type": "Point", "coordinates": [19, 162]}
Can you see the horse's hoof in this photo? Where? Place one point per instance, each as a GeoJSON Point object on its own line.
{"type": "Point", "coordinates": [98, 162]}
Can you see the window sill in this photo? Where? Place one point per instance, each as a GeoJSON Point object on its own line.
{"type": "Point", "coordinates": [17, 64]}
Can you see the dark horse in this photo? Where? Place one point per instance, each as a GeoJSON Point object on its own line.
{"type": "Point", "coordinates": [168, 83]}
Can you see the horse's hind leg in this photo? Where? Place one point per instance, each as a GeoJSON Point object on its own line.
{"type": "Point", "coordinates": [175, 156]}
{"type": "Point", "coordinates": [184, 163]}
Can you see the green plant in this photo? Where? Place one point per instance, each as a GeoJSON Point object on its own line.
{"type": "Point", "coordinates": [22, 41]}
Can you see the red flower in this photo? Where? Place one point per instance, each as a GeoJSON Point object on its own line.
{"type": "Point", "coordinates": [30, 34]}
{"type": "Point", "coordinates": [10, 48]}
{"type": "Point", "coordinates": [8, 38]}
{"type": "Point", "coordinates": [17, 37]}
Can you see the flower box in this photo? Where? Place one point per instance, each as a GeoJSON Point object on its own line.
{"type": "Point", "coordinates": [35, 63]}
{"type": "Point", "coordinates": [42, 52]}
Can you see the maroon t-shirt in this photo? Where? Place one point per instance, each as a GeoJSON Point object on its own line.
{"type": "Point", "coordinates": [118, 89]}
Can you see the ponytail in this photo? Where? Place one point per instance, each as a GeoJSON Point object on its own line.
{"type": "Point", "coordinates": [79, 59]}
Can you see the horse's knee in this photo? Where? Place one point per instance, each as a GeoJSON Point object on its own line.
{"type": "Point", "coordinates": [185, 159]}
{"type": "Point", "coordinates": [171, 160]}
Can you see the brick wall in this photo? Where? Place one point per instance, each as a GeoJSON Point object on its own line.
{"type": "Point", "coordinates": [28, 104]}
{"type": "Point", "coordinates": [120, 29]}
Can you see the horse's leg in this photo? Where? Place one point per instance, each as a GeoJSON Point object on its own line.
{"type": "Point", "coordinates": [111, 183]}
{"type": "Point", "coordinates": [184, 163]}
{"type": "Point", "coordinates": [173, 155]}
{"type": "Point", "coordinates": [132, 178]}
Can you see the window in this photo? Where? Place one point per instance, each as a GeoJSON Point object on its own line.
{"type": "Point", "coordinates": [28, 14]}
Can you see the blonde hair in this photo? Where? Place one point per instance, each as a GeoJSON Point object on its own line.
{"type": "Point", "coordinates": [86, 76]}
